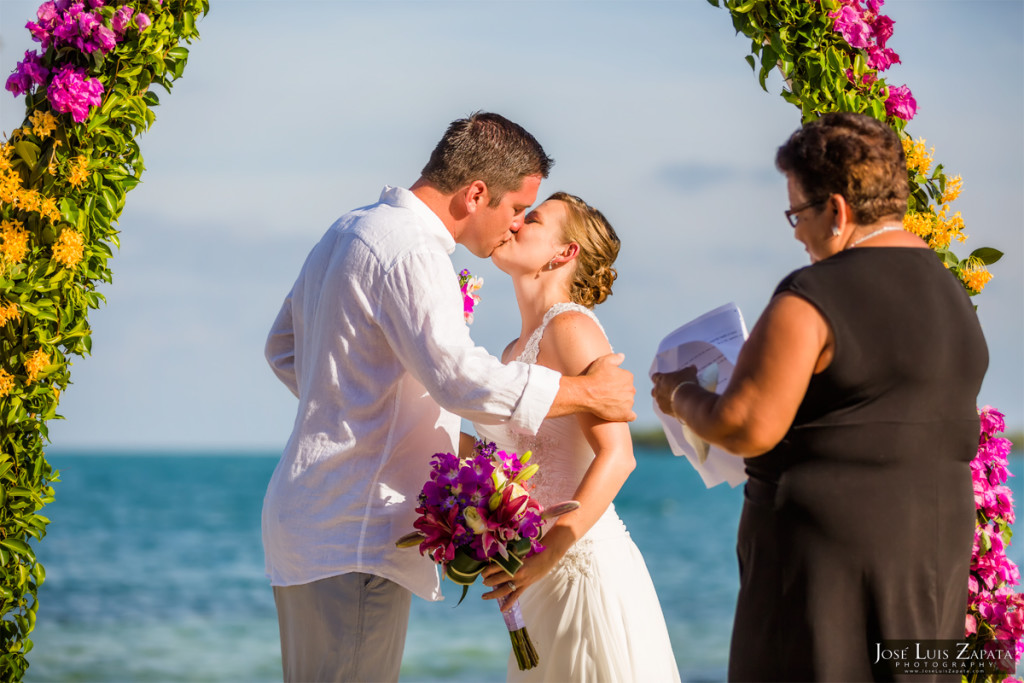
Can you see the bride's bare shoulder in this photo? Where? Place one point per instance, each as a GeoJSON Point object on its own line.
{"type": "Point", "coordinates": [572, 341]}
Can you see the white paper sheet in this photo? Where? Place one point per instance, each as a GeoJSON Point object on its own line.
{"type": "Point", "coordinates": [711, 342]}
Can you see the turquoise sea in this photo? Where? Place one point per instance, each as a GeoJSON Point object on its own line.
{"type": "Point", "coordinates": [155, 573]}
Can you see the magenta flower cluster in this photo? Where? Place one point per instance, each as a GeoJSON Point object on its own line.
{"type": "Point", "coordinates": [72, 92]}
{"type": "Point", "coordinates": [474, 505]}
{"type": "Point", "coordinates": [62, 23]}
{"type": "Point", "coordinates": [995, 610]}
{"type": "Point", "coordinates": [862, 25]}
{"type": "Point", "coordinates": [68, 28]}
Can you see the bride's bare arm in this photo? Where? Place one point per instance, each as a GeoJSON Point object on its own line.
{"type": "Point", "coordinates": [571, 342]}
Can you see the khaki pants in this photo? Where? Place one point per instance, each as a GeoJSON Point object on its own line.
{"type": "Point", "coordinates": [346, 628]}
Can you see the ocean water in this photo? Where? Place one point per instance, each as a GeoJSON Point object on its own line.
{"type": "Point", "coordinates": [155, 573]}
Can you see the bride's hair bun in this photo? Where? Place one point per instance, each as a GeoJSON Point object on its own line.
{"type": "Point", "coordinates": [599, 246]}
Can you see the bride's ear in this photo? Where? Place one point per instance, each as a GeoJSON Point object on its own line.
{"type": "Point", "coordinates": [568, 253]}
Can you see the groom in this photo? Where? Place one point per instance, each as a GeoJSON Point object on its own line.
{"type": "Point", "coordinates": [371, 339]}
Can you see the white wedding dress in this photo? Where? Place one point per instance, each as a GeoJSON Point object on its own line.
{"type": "Point", "coordinates": [595, 616]}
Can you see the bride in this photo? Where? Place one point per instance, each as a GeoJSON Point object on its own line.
{"type": "Point", "coordinates": [587, 599]}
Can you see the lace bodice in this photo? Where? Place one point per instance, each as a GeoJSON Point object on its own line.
{"type": "Point", "coordinates": [532, 348]}
{"type": "Point", "coordinates": [559, 448]}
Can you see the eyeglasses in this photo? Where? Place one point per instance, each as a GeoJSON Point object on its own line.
{"type": "Point", "coordinates": [791, 213]}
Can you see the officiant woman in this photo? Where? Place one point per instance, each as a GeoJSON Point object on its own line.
{"type": "Point", "coordinates": [854, 405]}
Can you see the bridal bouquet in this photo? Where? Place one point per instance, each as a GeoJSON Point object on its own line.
{"type": "Point", "coordinates": [475, 511]}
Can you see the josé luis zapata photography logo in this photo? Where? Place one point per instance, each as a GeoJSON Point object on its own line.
{"type": "Point", "coordinates": [943, 657]}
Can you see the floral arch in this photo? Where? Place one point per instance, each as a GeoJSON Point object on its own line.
{"type": "Point", "coordinates": [66, 170]}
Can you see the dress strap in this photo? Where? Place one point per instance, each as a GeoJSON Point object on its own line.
{"type": "Point", "coordinates": [532, 348]}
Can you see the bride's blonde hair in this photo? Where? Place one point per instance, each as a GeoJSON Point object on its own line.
{"type": "Point", "coordinates": [599, 246]}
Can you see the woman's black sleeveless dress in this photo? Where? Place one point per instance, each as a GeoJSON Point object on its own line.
{"type": "Point", "coordinates": [857, 527]}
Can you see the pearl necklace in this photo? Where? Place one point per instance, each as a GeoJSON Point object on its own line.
{"type": "Point", "coordinates": [876, 233]}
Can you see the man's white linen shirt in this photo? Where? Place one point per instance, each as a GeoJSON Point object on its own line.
{"type": "Point", "coordinates": [372, 341]}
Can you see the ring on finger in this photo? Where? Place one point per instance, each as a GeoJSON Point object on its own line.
{"type": "Point", "coordinates": [511, 586]}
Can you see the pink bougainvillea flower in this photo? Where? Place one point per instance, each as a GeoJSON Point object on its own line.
{"type": "Point", "coordinates": [850, 25]}
{"type": "Point", "coordinates": [71, 91]}
{"type": "Point", "coordinates": [106, 38]}
{"type": "Point", "coordinates": [47, 12]}
{"type": "Point", "coordinates": [881, 29]}
{"type": "Point", "coordinates": [142, 21]}
{"type": "Point", "coordinates": [122, 17]}
{"type": "Point", "coordinates": [40, 34]}
{"type": "Point", "coordinates": [900, 102]}
{"type": "Point", "coordinates": [881, 58]}
{"type": "Point", "coordinates": [992, 421]}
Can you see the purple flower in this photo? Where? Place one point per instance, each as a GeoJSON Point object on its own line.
{"type": "Point", "coordinates": [18, 83]}
{"type": "Point", "coordinates": [33, 66]}
{"type": "Point", "coordinates": [900, 102]}
{"type": "Point", "coordinates": [142, 21]}
{"type": "Point", "coordinates": [480, 469]}
{"type": "Point", "coordinates": [71, 91]}
{"type": "Point", "coordinates": [28, 73]}
{"type": "Point", "coordinates": [119, 22]}
{"type": "Point", "coordinates": [96, 3]}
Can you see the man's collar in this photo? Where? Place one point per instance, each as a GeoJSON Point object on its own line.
{"type": "Point", "coordinates": [399, 196]}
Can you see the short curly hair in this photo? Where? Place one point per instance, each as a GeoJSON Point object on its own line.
{"type": "Point", "coordinates": [853, 155]}
{"type": "Point", "coordinates": [599, 247]}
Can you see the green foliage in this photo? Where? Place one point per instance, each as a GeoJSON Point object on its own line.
{"type": "Point", "coordinates": [822, 73]}
{"type": "Point", "coordinates": [63, 189]}
{"type": "Point", "coordinates": [797, 39]}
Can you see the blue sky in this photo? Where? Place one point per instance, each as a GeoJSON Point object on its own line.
{"type": "Point", "coordinates": [291, 113]}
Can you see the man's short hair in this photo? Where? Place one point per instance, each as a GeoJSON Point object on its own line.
{"type": "Point", "coordinates": [486, 147]}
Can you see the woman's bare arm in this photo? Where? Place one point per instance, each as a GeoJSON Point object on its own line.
{"type": "Point", "coordinates": [790, 343]}
{"type": "Point", "coordinates": [571, 342]}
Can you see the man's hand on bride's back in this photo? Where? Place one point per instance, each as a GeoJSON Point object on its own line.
{"type": "Point", "coordinates": [603, 388]}
{"type": "Point", "coordinates": [610, 389]}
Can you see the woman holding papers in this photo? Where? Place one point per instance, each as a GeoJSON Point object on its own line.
{"type": "Point", "coordinates": [853, 402]}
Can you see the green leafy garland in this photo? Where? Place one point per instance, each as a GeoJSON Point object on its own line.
{"type": "Point", "coordinates": [831, 54]}
{"type": "Point", "coordinates": [64, 174]}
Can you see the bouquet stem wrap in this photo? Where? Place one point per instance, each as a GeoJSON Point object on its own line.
{"type": "Point", "coordinates": [522, 646]}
